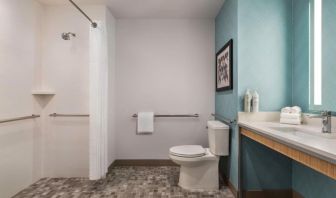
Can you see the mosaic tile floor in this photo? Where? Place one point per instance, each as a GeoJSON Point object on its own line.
{"type": "Point", "coordinates": [121, 182]}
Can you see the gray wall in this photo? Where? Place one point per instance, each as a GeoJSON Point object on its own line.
{"type": "Point", "coordinates": [165, 66]}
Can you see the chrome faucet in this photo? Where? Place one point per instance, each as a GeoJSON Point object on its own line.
{"type": "Point", "coordinates": [326, 121]}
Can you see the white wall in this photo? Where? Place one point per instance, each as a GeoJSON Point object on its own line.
{"type": "Point", "coordinates": [165, 66]}
{"type": "Point", "coordinates": [19, 141]}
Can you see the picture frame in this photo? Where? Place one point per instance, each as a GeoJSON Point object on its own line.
{"type": "Point", "coordinates": [224, 67]}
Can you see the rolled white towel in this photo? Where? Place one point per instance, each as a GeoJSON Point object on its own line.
{"type": "Point", "coordinates": [291, 115]}
{"type": "Point", "coordinates": [290, 121]}
{"type": "Point", "coordinates": [286, 110]}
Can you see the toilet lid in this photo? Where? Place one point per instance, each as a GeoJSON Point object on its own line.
{"type": "Point", "coordinates": [187, 151]}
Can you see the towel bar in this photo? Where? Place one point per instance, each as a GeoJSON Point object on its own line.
{"type": "Point", "coordinates": [19, 118]}
{"type": "Point", "coordinates": [225, 120]}
{"type": "Point", "coordinates": [196, 115]}
{"type": "Point", "coordinates": [68, 115]}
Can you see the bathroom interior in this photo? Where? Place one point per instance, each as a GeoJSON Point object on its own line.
{"type": "Point", "coordinates": [158, 98]}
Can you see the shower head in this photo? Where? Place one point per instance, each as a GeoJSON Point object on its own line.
{"type": "Point", "coordinates": [67, 36]}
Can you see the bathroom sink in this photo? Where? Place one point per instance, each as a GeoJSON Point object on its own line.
{"type": "Point", "coordinates": [305, 132]}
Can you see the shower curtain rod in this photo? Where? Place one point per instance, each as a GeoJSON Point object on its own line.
{"type": "Point", "coordinates": [93, 24]}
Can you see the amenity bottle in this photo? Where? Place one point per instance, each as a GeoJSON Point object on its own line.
{"type": "Point", "coordinates": [247, 101]}
{"type": "Point", "coordinates": [255, 101]}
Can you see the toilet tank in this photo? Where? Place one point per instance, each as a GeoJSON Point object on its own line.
{"type": "Point", "coordinates": [218, 134]}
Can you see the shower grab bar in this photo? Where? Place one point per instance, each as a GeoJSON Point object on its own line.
{"type": "Point", "coordinates": [225, 120]}
{"type": "Point", "coordinates": [93, 24]}
{"type": "Point", "coordinates": [196, 115]}
{"type": "Point", "coordinates": [19, 118]}
{"type": "Point", "coordinates": [68, 115]}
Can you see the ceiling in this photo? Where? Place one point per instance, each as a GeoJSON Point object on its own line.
{"type": "Point", "coordinates": [153, 8]}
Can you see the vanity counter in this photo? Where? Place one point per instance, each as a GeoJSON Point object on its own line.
{"type": "Point", "coordinates": [302, 143]}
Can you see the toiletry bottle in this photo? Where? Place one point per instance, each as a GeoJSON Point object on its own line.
{"type": "Point", "coordinates": [247, 101]}
{"type": "Point", "coordinates": [255, 101]}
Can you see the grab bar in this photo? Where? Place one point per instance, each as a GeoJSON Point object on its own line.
{"type": "Point", "coordinates": [68, 115]}
{"type": "Point", "coordinates": [19, 118]}
{"type": "Point", "coordinates": [196, 115]}
{"type": "Point", "coordinates": [225, 120]}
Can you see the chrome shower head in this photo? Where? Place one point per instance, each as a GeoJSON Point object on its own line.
{"type": "Point", "coordinates": [67, 36]}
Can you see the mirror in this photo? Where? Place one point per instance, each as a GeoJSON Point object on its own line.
{"type": "Point", "coordinates": [322, 34]}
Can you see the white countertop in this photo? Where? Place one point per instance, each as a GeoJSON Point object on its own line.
{"type": "Point", "coordinates": [308, 138]}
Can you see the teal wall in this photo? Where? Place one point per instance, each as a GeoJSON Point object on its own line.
{"type": "Point", "coordinates": [226, 102]}
{"type": "Point", "coordinates": [271, 66]}
{"type": "Point", "coordinates": [273, 58]}
{"type": "Point", "coordinates": [265, 52]}
{"type": "Point", "coordinates": [265, 64]}
{"type": "Point", "coordinates": [301, 54]}
{"type": "Point", "coordinates": [226, 29]}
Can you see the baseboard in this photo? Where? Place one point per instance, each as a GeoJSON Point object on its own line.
{"type": "Point", "coordinates": [285, 193]}
{"type": "Point", "coordinates": [228, 183]}
{"type": "Point", "coordinates": [233, 189]}
{"type": "Point", "coordinates": [143, 162]}
{"type": "Point", "coordinates": [281, 193]}
{"type": "Point", "coordinates": [296, 195]}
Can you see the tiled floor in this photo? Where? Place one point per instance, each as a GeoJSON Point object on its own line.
{"type": "Point", "coordinates": [121, 182]}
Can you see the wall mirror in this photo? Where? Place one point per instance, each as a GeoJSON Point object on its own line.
{"type": "Point", "coordinates": [322, 86]}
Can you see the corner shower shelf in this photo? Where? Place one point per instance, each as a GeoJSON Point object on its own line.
{"type": "Point", "coordinates": [43, 92]}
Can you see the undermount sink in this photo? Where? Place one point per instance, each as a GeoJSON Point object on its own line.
{"type": "Point", "coordinates": [304, 132]}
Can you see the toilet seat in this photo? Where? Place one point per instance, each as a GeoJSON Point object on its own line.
{"type": "Point", "coordinates": [188, 151]}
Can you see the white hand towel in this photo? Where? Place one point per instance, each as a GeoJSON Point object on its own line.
{"type": "Point", "coordinates": [145, 123]}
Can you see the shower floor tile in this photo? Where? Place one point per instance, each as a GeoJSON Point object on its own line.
{"type": "Point", "coordinates": [121, 182]}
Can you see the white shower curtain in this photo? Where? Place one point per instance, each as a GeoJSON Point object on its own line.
{"type": "Point", "coordinates": [98, 101]}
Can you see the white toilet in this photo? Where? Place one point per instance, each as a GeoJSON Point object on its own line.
{"type": "Point", "coordinates": [199, 166]}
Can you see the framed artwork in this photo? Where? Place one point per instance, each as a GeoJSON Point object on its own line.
{"type": "Point", "coordinates": [224, 67]}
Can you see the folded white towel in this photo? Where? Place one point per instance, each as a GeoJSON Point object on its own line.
{"type": "Point", "coordinates": [290, 121]}
{"type": "Point", "coordinates": [145, 123]}
{"type": "Point", "coordinates": [286, 110]}
{"type": "Point", "coordinates": [296, 109]}
{"type": "Point", "coordinates": [290, 115]}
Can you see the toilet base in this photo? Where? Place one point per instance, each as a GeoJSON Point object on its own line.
{"type": "Point", "coordinates": [204, 176]}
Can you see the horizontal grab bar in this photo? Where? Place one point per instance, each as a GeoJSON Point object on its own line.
{"type": "Point", "coordinates": [225, 120]}
{"type": "Point", "coordinates": [196, 115]}
{"type": "Point", "coordinates": [19, 118]}
{"type": "Point", "coordinates": [68, 115]}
